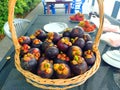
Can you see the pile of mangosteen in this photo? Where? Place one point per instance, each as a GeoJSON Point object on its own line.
{"type": "Point", "coordinates": [57, 56]}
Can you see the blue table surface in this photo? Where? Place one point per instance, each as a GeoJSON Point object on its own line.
{"type": "Point", "coordinates": [11, 79]}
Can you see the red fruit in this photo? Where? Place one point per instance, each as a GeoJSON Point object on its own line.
{"type": "Point", "coordinates": [80, 19]}
{"type": "Point", "coordinates": [72, 18]}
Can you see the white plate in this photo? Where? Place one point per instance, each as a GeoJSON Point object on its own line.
{"type": "Point", "coordinates": [55, 27]}
{"type": "Point", "coordinates": [115, 54]}
{"type": "Point", "coordinates": [110, 60]}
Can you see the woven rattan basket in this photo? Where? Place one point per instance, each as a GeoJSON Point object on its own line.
{"type": "Point", "coordinates": [55, 83]}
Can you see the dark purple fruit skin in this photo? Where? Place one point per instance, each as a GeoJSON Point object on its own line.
{"type": "Point", "coordinates": [70, 50]}
{"type": "Point", "coordinates": [79, 68]}
{"type": "Point", "coordinates": [26, 41]}
{"type": "Point", "coordinates": [36, 45]}
{"type": "Point", "coordinates": [62, 46]}
{"type": "Point", "coordinates": [88, 45]}
{"type": "Point", "coordinates": [42, 36]}
{"type": "Point", "coordinates": [41, 59]}
{"type": "Point", "coordinates": [80, 42]}
{"type": "Point", "coordinates": [87, 37]}
{"type": "Point", "coordinates": [22, 53]}
{"type": "Point", "coordinates": [56, 60]}
{"type": "Point", "coordinates": [56, 38]}
{"type": "Point", "coordinates": [30, 65]}
{"type": "Point", "coordinates": [66, 34]}
{"type": "Point", "coordinates": [77, 32]}
{"type": "Point", "coordinates": [43, 74]}
{"type": "Point", "coordinates": [32, 50]}
{"type": "Point", "coordinates": [45, 45]}
{"type": "Point", "coordinates": [51, 52]}
{"type": "Point", "coordinates": [61, 76]}
{"type": "Point", "coordinates": [90, 61]}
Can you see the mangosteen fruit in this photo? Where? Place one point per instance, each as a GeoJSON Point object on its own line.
{"type": "Point", "coordinates": [64, 43]}
{"type": "Point", "coordinates": [87, 37]}
{"type": "Point", "coordinates": [51, 52]}
{"type": "Point", "coordinates": [79, 42]}
{"type": "Point", "coordinates": [89, 57]}
{"type": "Point", "coordinates": [47, 43]}
{"type": "Point", "coordinates": [36, 52]}
{"type": "Point", "coordinates": [32, 37]}
{"type": "Point", "coordinates": [36, 43]}
{"type": "Point", "coordinates": [55, 37]}
{"type": "Point", "coordinates": [73, 51]}
{"type": "Point", "coordinates": [66, 33]}
{"type": "Point", "coordinates": [62, 70]}
{"type": "Point", "coordinates": [24, 40]}
{"type": "Point", "coordinates": [45, 69]}
{"type": "Point", "coordinates": [40, 34]}
{"type": "Point", "coordinates": [62, 58]}
{"type": "Point", "coordinates": [28, 62]}
{"type": "Point", "coordinates": [77, 32]}
{"type": "Point", "coordinates": [78, 65]}
{"type": "Point", "coordinates": [88, 45]}
{"type": "Point", "coordinates": [24, 49]}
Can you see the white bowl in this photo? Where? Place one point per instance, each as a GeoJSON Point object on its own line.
{"type": "Point", "coordinates": [55, 27]}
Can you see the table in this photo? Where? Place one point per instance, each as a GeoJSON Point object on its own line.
{"type": "Point", "coordinates": [11, 79]}
{"type": "Point", "coordinates": [49, 2]}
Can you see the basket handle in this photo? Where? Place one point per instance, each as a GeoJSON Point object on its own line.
{"type": "Point", "coordinates": [100, 29]}
{"type": "Point", "coordinates": [13, 32]}
{"type": "Point", "coordinates": [11, 6]}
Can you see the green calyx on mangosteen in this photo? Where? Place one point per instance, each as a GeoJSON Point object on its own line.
{"type": "Point", "coordinates": [78, 65]}
{"type": "Point", "coordinates": [62, 70]}
{"type": "Point", "coordinates": [64, 43]}
{"type": "Point", "coordinates": [45, 69]}
{"type": "Point", "coordinates": [74, 51]}
{"type": "Point", "coordinates": [89, 57]}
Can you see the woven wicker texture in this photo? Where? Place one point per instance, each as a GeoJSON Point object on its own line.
{"type": "Point", "coordinates": [55, 83]}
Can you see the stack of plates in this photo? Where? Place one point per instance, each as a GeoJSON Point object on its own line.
{"type": "Point", "coordinates": [112, 58]}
